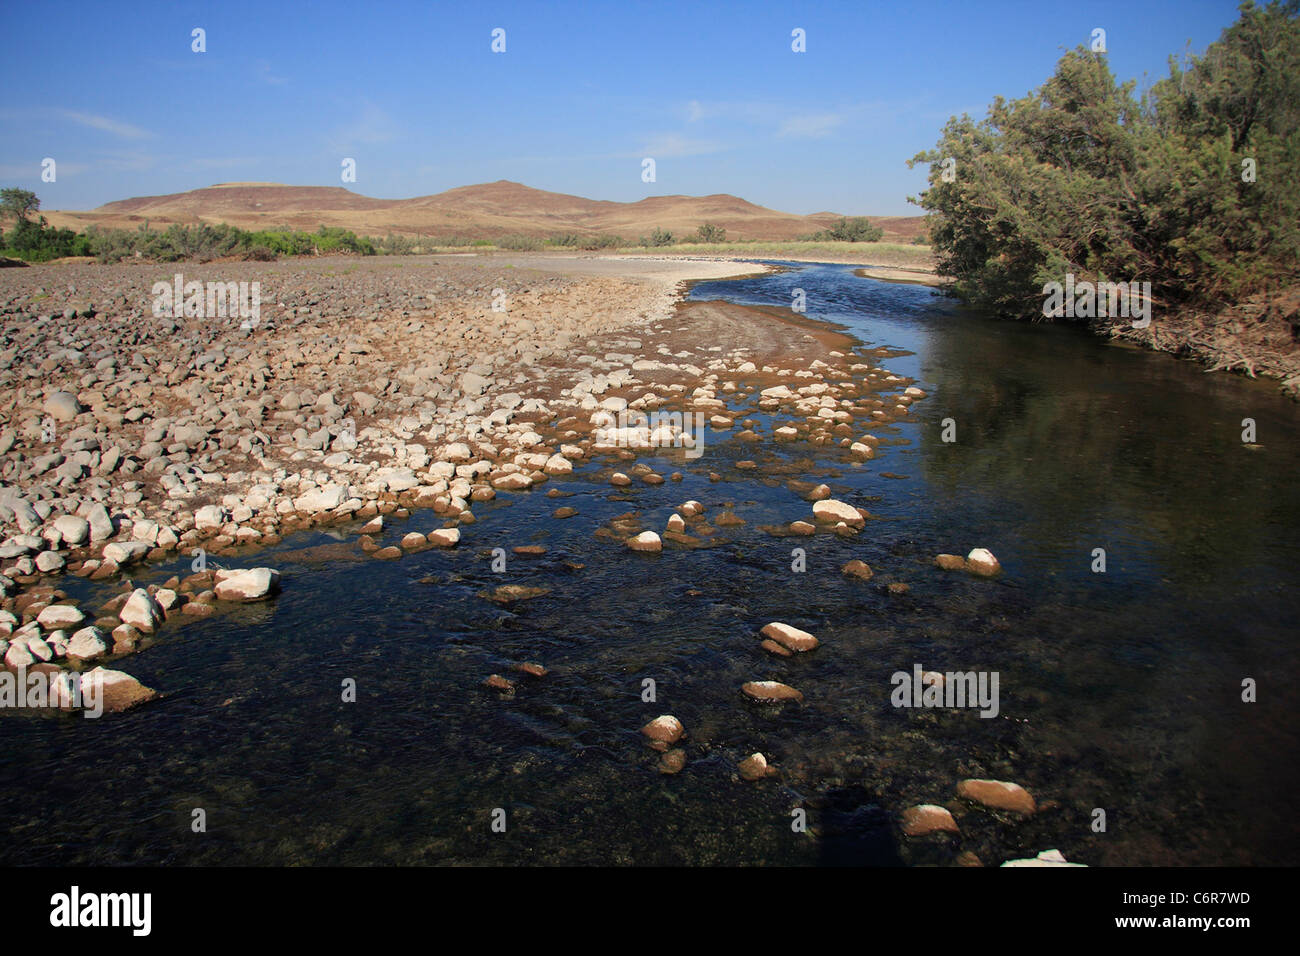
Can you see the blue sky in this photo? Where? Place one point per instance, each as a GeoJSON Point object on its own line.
{"type": "Point", "coordinates": [414, 93]}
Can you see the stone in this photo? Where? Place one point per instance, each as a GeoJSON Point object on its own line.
{"type": "Point", "coordinates": [997, 794]}
{"type": "Point", "coordinates": [87, 644]}
{"type": "Point", "coordinates": [754, 767]}
{"type": "Point", "coordinates": [117, 690]}
{"type": "Point", "coordinates": [789, 637]}
{"type": "Point", "coordinates": [209, 517]}
{"type": "Point", "coordinates": [830, 510]}
{"type": "Point", "coordinates": [75, 531]}
{"type": "Point", "coordinates": [950, 562]}
{"type": "Point", "coordinates": [141, 611]}
{"type": "Point", "coordinates": [1046, 858]}
{"type": "Point", "coordinates": [63, 406]}
{"type": "Point", "coordinates": [673, 761]}
{"type": "Point", "coordinates": [508, 594]}
{"type": "Point", "coordinates": [981, 561]}
{"type": "Point", "coordinates": [928, 818]}
{"type": "Point", "coordinates": [321, 499]}
{"type": "Point", "coordinates": [125, 552]}
{"type": "Point", "coordinates": [249, 584]}
{"type": "Point", "coordinates": [858, 569]}
{"type": "Point", "coordinates": [444, 537]}
{"type": "Point", "coordinates": [60, 615]}
{"type": "Point", "coordinates": [767, 690]}
{"type": "Point", "coordinates": [665, 729]}
{"type": "Point", "coordinates": [48, 562]}
{"type": "Point", "coordinates": [645, 541]}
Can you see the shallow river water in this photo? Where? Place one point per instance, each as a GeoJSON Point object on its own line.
{"type": "Point", "coordinates": [1119, 691]}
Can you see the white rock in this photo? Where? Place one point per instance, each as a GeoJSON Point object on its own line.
{"type": "Point", "coordinates": [249, 584]}
{"type": "Point", "coordinates": [209, 516]}
{"type": "Point", "coordinates": [125, 552]}
{"type": "Point", "coordinates": [60, 615]}
{"type": "Point", "coordinates": [321, 499]}
{"type": "Point", "coordinates": [444, 537]}
{"type": "Point", "coordinates": [75, 531]}
{"type": "Point", "coordinates": [142, 612]}
{"type": "Point", "coordinates": [832, 510]}
{"type": "Point", "coordinates": [87, 644]}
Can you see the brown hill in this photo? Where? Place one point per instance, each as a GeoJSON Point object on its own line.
{"type": "Point", "coordinates": [485, 211]}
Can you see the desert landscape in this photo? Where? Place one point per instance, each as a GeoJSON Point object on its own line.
{"type": "Point", "coordinates": [722, 469]}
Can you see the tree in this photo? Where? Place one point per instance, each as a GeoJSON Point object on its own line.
{"type": "Point", "coordinates": [1079, 177]}
{"type": "Point", "coordinates": [19, 203]}
{"type": "Point", "coordinates": [710, 233]}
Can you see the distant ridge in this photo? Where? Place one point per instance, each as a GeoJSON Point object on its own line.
{"type": "Point", "coordinates": [486, 210]}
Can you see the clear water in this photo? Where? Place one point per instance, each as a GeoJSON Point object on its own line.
{"type": "Point", "coordinates": [1119, 691]}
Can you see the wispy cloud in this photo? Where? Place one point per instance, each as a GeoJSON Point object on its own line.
{"type": "Point", "coordinates": [810, 126]}
{"type": "Point", "coordinates": [262, 71]}
{"type": "Point", "coordinates": [675, 144]}
{"type": "Point", "coordinates": [107, 124]}
{"type": "Point", "coordinates": [371, 126]}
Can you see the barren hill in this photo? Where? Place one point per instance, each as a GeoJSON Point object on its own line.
{"type": "Point", "coordinates": [486, 211]}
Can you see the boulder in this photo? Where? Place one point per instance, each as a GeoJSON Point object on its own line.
{"type": "Point", "coordinates": [74, 531]}
{"type": "Point", "coordinates": [665, 729]}
{"type": "Point", "coordinates": [60, 615]}
{"type": "Point", "coordinates": [116, 691]}
{"type": "Point", "coordinates": [789, 637]}
{"type": "Point", "coordinates": [141, 611]}
{"type": "Point", "coordinates": [249, 584]}
{"type": "Point", "coordinates": [444, 537]}
{"type": "Point", "coordinates": [831, 511]}
{"type": "Point", "coordinates": [770, 690]}
{"type": "Point", "coordinates": [997, 794]}
{"type": "Point", "coordinates": [981, 561]}
{"type": "Point", "coordinates": [87, 644]}
{"type": "Point", "coordinates": [928, 818]}
{"type": "Point", "coordinates": [645, 541]}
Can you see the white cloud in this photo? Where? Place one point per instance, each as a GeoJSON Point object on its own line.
{"type": "Point", "coordinates": [675, 144]}
{"type": "Point", "coordinates": [119, 129]}
{"type": "Point", "coordinates": [810, 126]}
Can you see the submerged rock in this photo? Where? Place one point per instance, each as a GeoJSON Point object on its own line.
{"type": "Point", "coordinates": [790, 637]}
{"type": "Point", "coordinates": [117, 690]}
{"type": "Point", "coordinates": [928, 818]}
{"type": "Point", "coordinates": [858, 569]}
{"type": "Point", "coordinates": [510, 593]}
{"type": "Point", "coordinates": [251, 584]}
{"type": "Point", "coordinates": [755, 767]}
{"type": "Point", "coordinates": [645, 541]}
{"type": "Point", "coordinates": [830, 511]}
{"type": "Point", "coordinates": [665, 729]}
{"type": "Point", "coordinates": [770, 690]}
{"type": "Point", "coordinates": [998, 795]}
{"type": "Point", "coordinates": [673, 761]}
{"type": "Point", "coordinates": [982, 562]}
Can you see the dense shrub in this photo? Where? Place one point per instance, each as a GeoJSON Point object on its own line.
{"type": "Point", "coordinates": [1080, 177]}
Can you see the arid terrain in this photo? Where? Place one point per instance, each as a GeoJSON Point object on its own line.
{"type": "Point", "coordinates": [482, 211]}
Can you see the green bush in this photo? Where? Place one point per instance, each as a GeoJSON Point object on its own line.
{"type": "Point", "coordinates": [1080, 177]}
{"type": "Point", "coordinates": [856, 229]}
